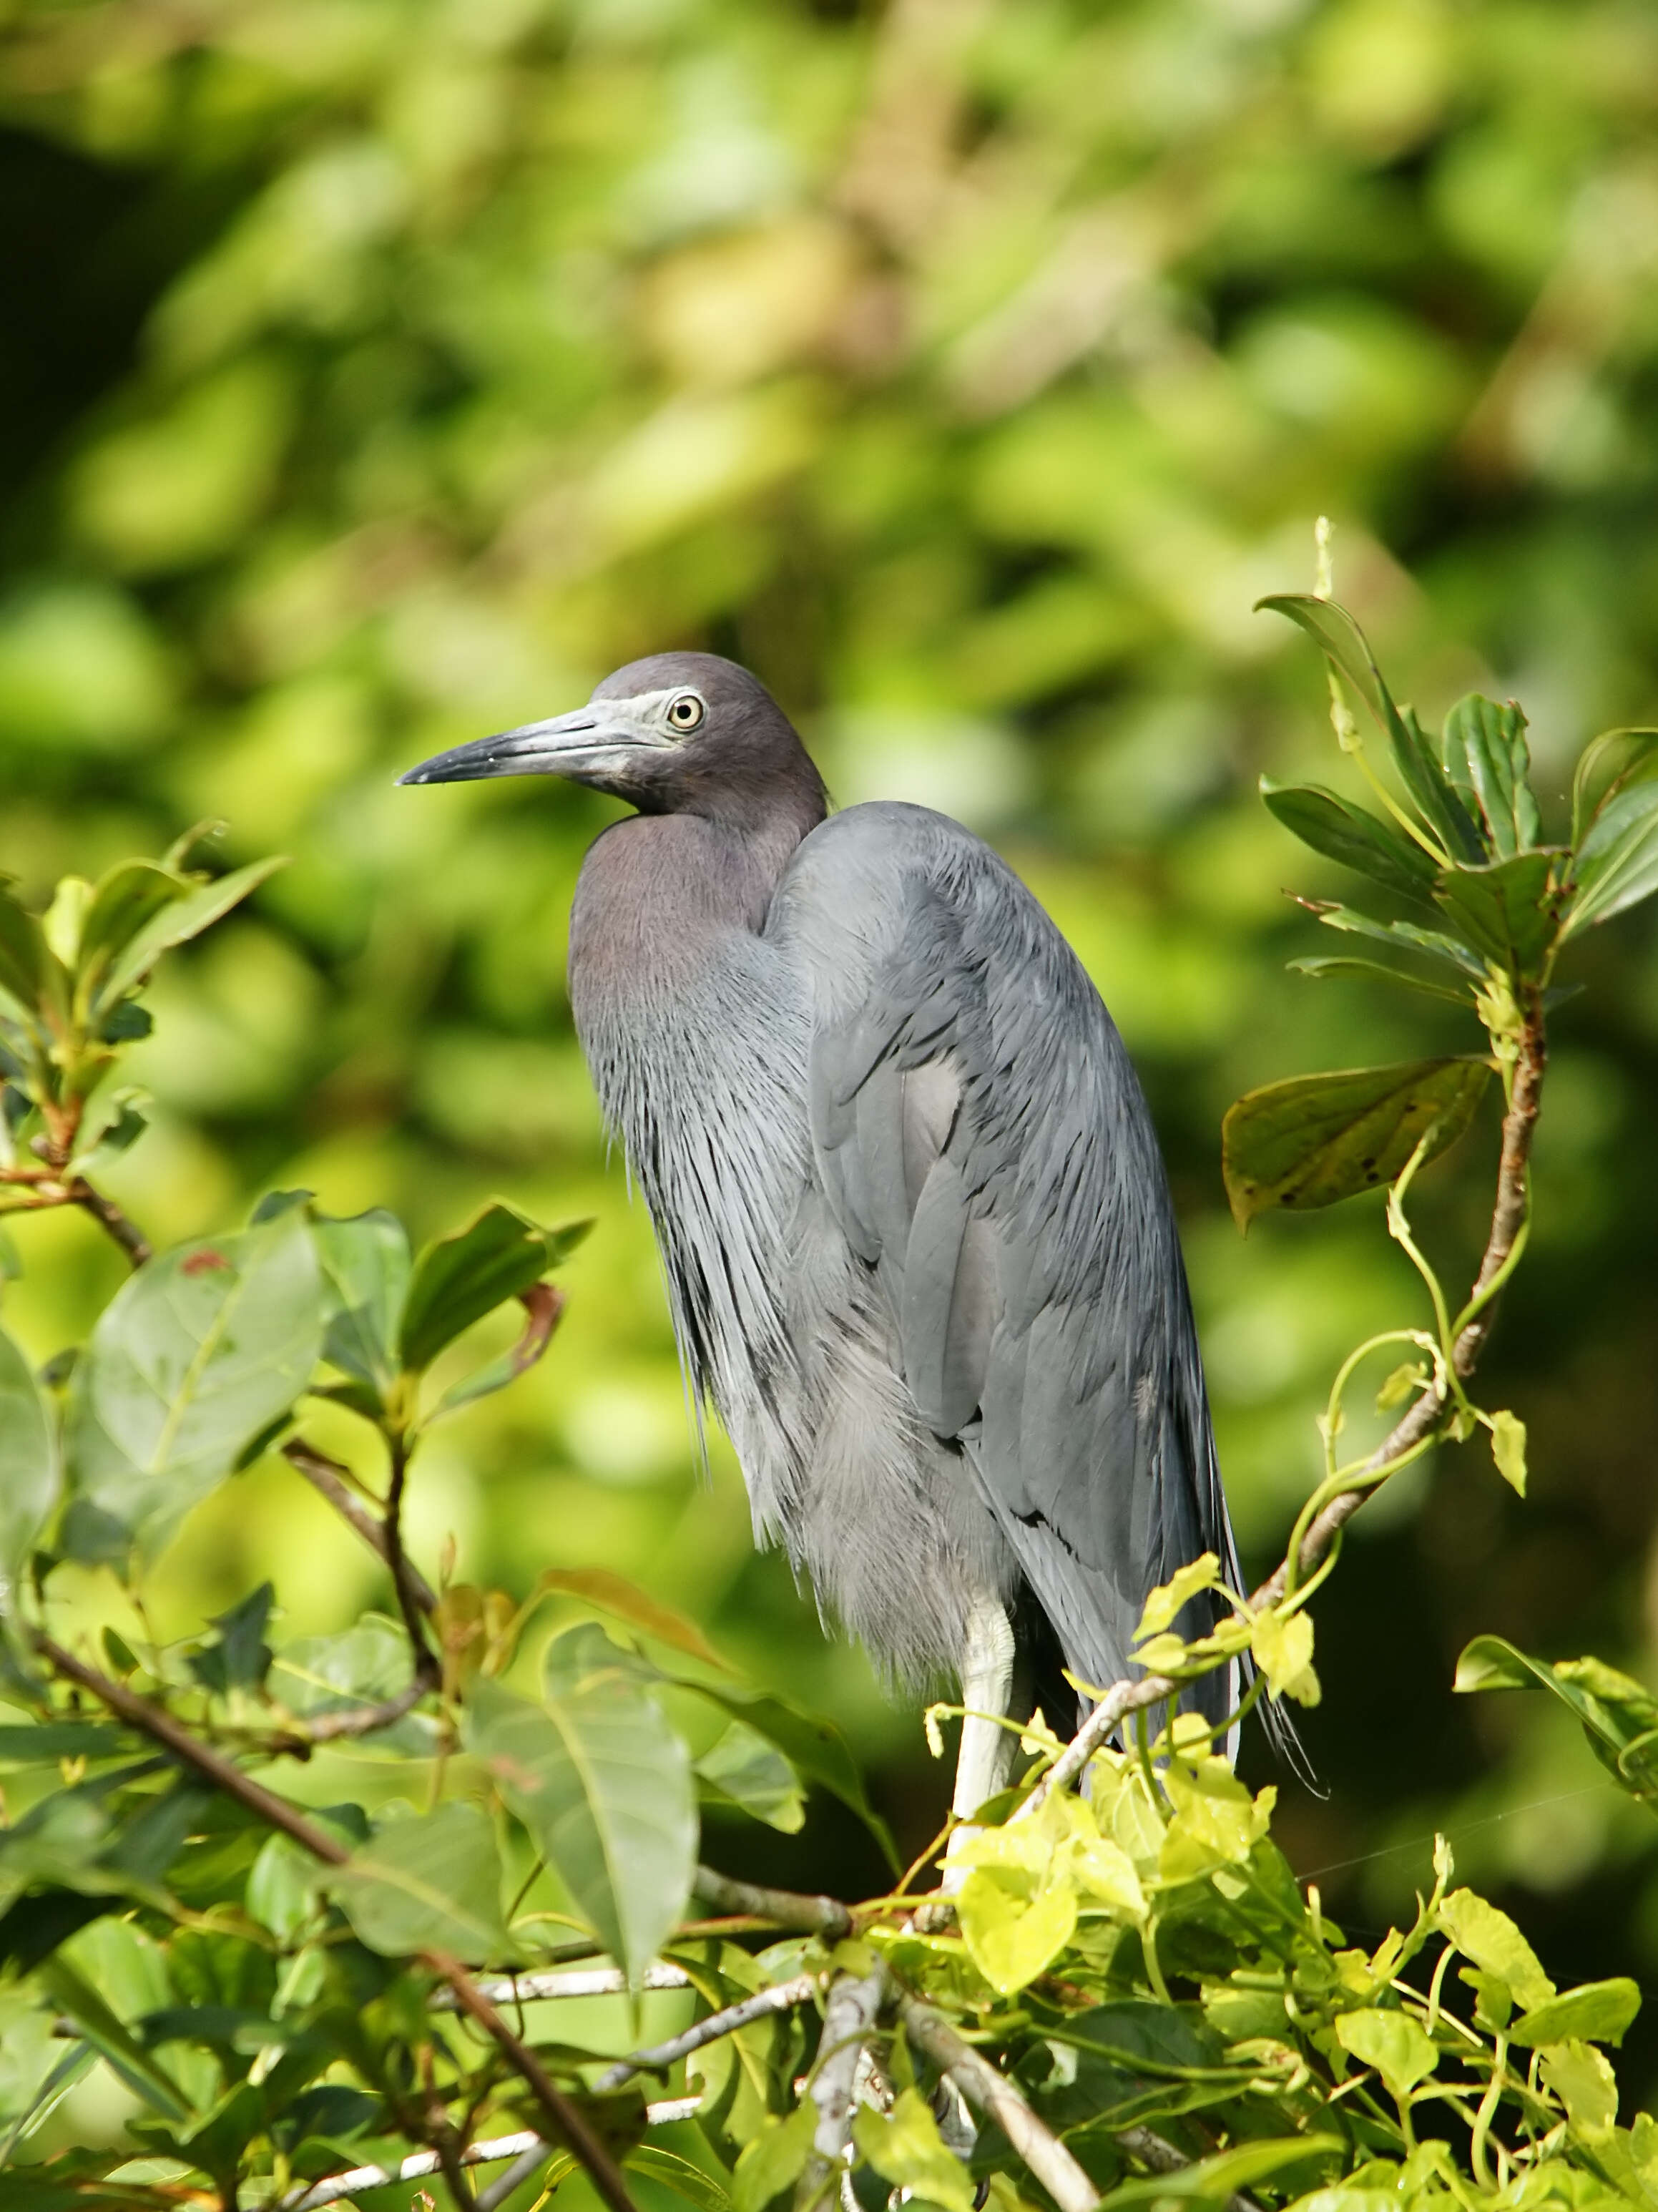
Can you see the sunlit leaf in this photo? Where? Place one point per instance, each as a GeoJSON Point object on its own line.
{"type": "Point", "coordinates": [24, 956]}
{"type": "Point", "coordinates": [112, 2040]}
{"type": "Point", "coordinates": [1316, 1139]}
{"type": "Point", "coordinates": [1582, 2077]}
{"type": "Point", "coordinates": [1320, 966]}
{"type": "Point", "coordinates": [365, 1267]}
{"type": "Point", "coordinates": [1358, 840]}
{"type": "Point", "coordinates": [1400, 2052]}
{"type": "Point", "coordinates": [1407, 936]}
{"type": "Point", "coordinates": [1608, 765]}
{"type": "Point", "coordinates": [905, 2147]}
{"type": "Point", "coordinates": [1487, 762]}
{"type": "Point", "coordinates": [1509, 1449]}
{"type": "Point", "coordinates": [124, 902]}
{"type": "Point", "coordinates": [604, 1788]}
{"type": "Point", "coordinates": [176, 923]}
{"type": "Point", "coordinates": [197, 1353]}
{"type": "Point", "coordinates": [1491, 1939]}
{"type": "Point", "coordinates": [1283, 1648]}
{"type": "Point", "coordinates": [1616, 864]}
{"type": "Point", "coordinates": [741, 1767]}
{"type": "Point", "coordinates": [1598, 2012]}
{"type": "Point", "coordinates": [775, 2160]}
{"type": "Point", "coordinates": [428, 1882]}
{"type": "Point", "coordinates": [615, 1594]}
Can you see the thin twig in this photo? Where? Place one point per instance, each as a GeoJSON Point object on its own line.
{"type": "Point", "coordinates": [525, 2148]}
{"type": "Point", "coordinates": [983, 2087]}
{"type": "Point", "coordinates": [849, 2016]}
{"type": "Point", "coordinates": [1153, 2150]}
{"type": "Point", "coordinates": [783, 1997]}
{"type": "Point", "coordinates": [428, 1666]}
{"type": "Point", "coordinates": [361, 1720]}
{"type": "Point", "coordinates": [1508, 1220]}
{"type": "Point", "coordinates": [599, 1982]}
{"type": "Point", "coordinates": [326, 1477]}
{"type": "Point", "coordinates": [109, 1218]}
{"type": "Point", "coordinates": [782, 1908]}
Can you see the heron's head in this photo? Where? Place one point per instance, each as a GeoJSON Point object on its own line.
{"type": "Point", "coordinates": [679, 733]}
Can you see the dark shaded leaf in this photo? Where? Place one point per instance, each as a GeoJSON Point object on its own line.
{"type": "Point", "coordinates": [1335, 965]}
{"type": "Point", "coordinates": [430, 1882]}
{"type": "Point", "coordinates": [1608, 765]}
{"type": "Point", "coordinates": [115, 2044]}
{"type": "Point", "coordinates": [1487, 762]}
{"type": "Point", "coordinates": [24, 957]}
{"type": "Point", "coordinates": [1616, 864]}
{"type": "Point", "coordinates": [195, 1354]}
{"type": "Point", "coordinates": [500, 1253]}
{"type": "Point", "coordinates": [1358, 840]}
{"type": "Point", "coordinates": [1316, 1139]}
{"type": "Point", "coordinates": [56, 1740]}
{"type": "Point", "coordinates": [815, 1748]}
{"type": "Point", "coordinates": [241, 1656]}
{"type": "Point", "coordinates": [1618, 1716]}
{"type": "Point", "coordinates": [30, 1468]}
{"type": "Point", "coordinates": [603, 1785]}
{"type": "Point", "coordinates": [1346, 646]}
{"type": "Point", "coordinates": [1511, 911]}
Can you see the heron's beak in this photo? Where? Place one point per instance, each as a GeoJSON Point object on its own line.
{"type": "Point", "coordinates": [564, 746]}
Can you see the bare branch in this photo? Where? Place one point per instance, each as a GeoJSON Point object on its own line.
{"type": "Point", "coordinates": [984, 2087]}
{"type": "Point", "coordinates": [783, 1997]}
{"type": "Point", "coordinates": [326, 1477]}
{"type": "Point", "coordinates": [109, 1218]}
{"type": "Point", "coordinates": [428, 1667]}
{"type": "Point", "coordinates": [594, 1982]}
{"type": "Point", "coordinates": [1418, 1423]}
{"type": "Point", "coordinates": [526, 2149]}
{"type": "Point", "coordinates": [784, 1908]}
{"type": "Point", "coordinates": [848, 2017]}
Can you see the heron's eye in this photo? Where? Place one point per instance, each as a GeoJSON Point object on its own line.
{"type": "Point", "coordinates": [686, 711]}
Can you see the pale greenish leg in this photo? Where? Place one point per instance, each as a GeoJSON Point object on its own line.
{"type": "Point", "coordinates": [984, 1761]}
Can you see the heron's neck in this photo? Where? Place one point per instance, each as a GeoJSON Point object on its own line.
{"type": "Point", "coordinates": [657, 891]}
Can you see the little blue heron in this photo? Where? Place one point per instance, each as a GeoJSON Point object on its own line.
{"type": "Point", "coordinates": [917, 1234]}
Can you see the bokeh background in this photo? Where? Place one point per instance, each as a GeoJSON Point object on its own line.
{"type": "Point", "coordinates": [378, 372]}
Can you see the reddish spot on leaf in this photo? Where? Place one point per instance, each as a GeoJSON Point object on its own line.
{"type": "Point", "coordinates": [205, 1263]}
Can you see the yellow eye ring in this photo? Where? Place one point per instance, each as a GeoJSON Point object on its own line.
{"type": "Point", "coordinates": [686, 712]}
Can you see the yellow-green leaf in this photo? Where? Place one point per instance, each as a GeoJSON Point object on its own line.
{"type": "Point", "coordinates": [1401, 2052]}
{"type": "Point", "coordinates": [905, 2147]}
{"type": "Point", "coordinates": [1491, 1939]}
{"type": "Point", "coordinates": [1598, 2012]}
{"type": "Point", "coordinates": [1215, 1821]}
{"type": "Point", "coordinates": [774, 2161]}
{"type": "Point", "coordinates": [1508, 1448]}
{"type": "Point", "coordinates": [1283, 1648]}
{"type": "Point", "coordinates": [1168, 1599]}
{"type": "Point", "coordinates": [1582, 2077]}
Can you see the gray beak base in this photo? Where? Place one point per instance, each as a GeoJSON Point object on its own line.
{"type": "Point", "coordinates": [534, 748]}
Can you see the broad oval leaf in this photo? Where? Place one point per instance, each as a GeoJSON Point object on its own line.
{"type": "Point", "coordinates": [1345, 646]}
{"type": "Point", "coordinates": [1616, 864]}
{"type": "Point", "coordinates": [197, 1354]}
{"type": "Point", "coordinates": [1487, 762]}
{"type": "Point", "coordinates": [741, 1768]}
{"type": "Point", "coordinates": [1599, 2012]}
{"type": "Point", "coordinates": [30, 1468]}
{"type": "Point", "coordinates": [1358, 840]}
{"type": "Point", "coordinates": [365, 1267]}
{"type": "Point", "coordinates": [1512, 911]}
{"type": "Point", "coordinates": [1316, 1139]}
{"type": "Point", "coordinates": [1401, 2052]}
{"type": "Point", "coordinates": [499, 1254]}
{"type": "Point", "coordinates": [1491, 1939]}
{"type": "Point", "coordinates": [429, 1883]}
{"type": "Point", "coordinates": [604, 1786]}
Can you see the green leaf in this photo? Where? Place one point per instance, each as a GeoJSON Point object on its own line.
{"type": "Point", "coordinates": [1508, 1448]}
{"type": "Point", "coordinates": [1402, 2053]}
{"type": "Point", "coordinates": [1358, 840]}
{"type": "Point", "coordinates": [1598, 2012]}
{"type": "Point", "coordinates": [241, 1657]}
{"type": "Point", "coordinates": [741, 1767]}
{"type": "Point", "coordinates": [363, 1665]}
{"type": "Point", "coordinates": [1420, 770]}
{"type": "Point", "coordinates": [126, 901]}
{"type": "Point", "coordinates": [115, 2044]}
{"type": "Point", "coordinates": [1616, 864]}
{"type": "Point", "coordinates": [366, 1268]}
{"type": "Point", "coordinates": [905, 2147]}
{"type": "Point", "coordinates": [1409, 936]}
{"type": "Point", "coordinates": [774, 2160]}
{"type": "Point", "coordinates": [1216, 1823]}
{"type": "Point", "coordinates": [199, 1352]}
{"type": "Point", "coordinates": [603, 1785]}
{"type": "Point", "coordinates": [459, 1279]}
{"type": "Point", "coordinates": [1283, 1647]}
{"type": "Point", "coordinates": [814, 1748]}
{"type": "Point", "coordinates": [1218, 2180]}
{"type": "Point", "coordinates": [1320, 966]}
{"type": "Point", "coordinates": [1491, 1939]}
{"type": "Point", "coordinates": [1170, 1598]}
{"type": "Point", "coordinates": [1316, 1139]}
{"type": "Point", "coordinates": [177, 924]}
{"type": "Point", "coordinates": [429, 1883]}
{"type": "Point", "coordinates": [1608, 764]}
{"type": "Point", "coordinates": [615, 1594]}
{"type": "Point", "coordinates": [30, 1468]}
{"type": "Point", "coordinates": [1580, 2077]}
{"type": "Point", "coordinates": [678, 2175]}
{"type": "Point", "coordinates": [1486, 761]}
{"type": "Point", "coordinates": [24, 956]}
{"type": "Point", "coordinates": [1618, 1716]}
{"type": "Point", "coordinates": [1510, 911]}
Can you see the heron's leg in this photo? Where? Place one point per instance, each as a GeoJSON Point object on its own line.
{"type": "Point", "coordinates": [985, 1758]}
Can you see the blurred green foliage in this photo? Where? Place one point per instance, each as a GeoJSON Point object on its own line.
{"type": "Point", "coordinates": [382, 372]}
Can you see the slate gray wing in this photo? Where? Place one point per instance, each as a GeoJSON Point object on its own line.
{"type": "Point", "coordinates": [986, 1148]}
